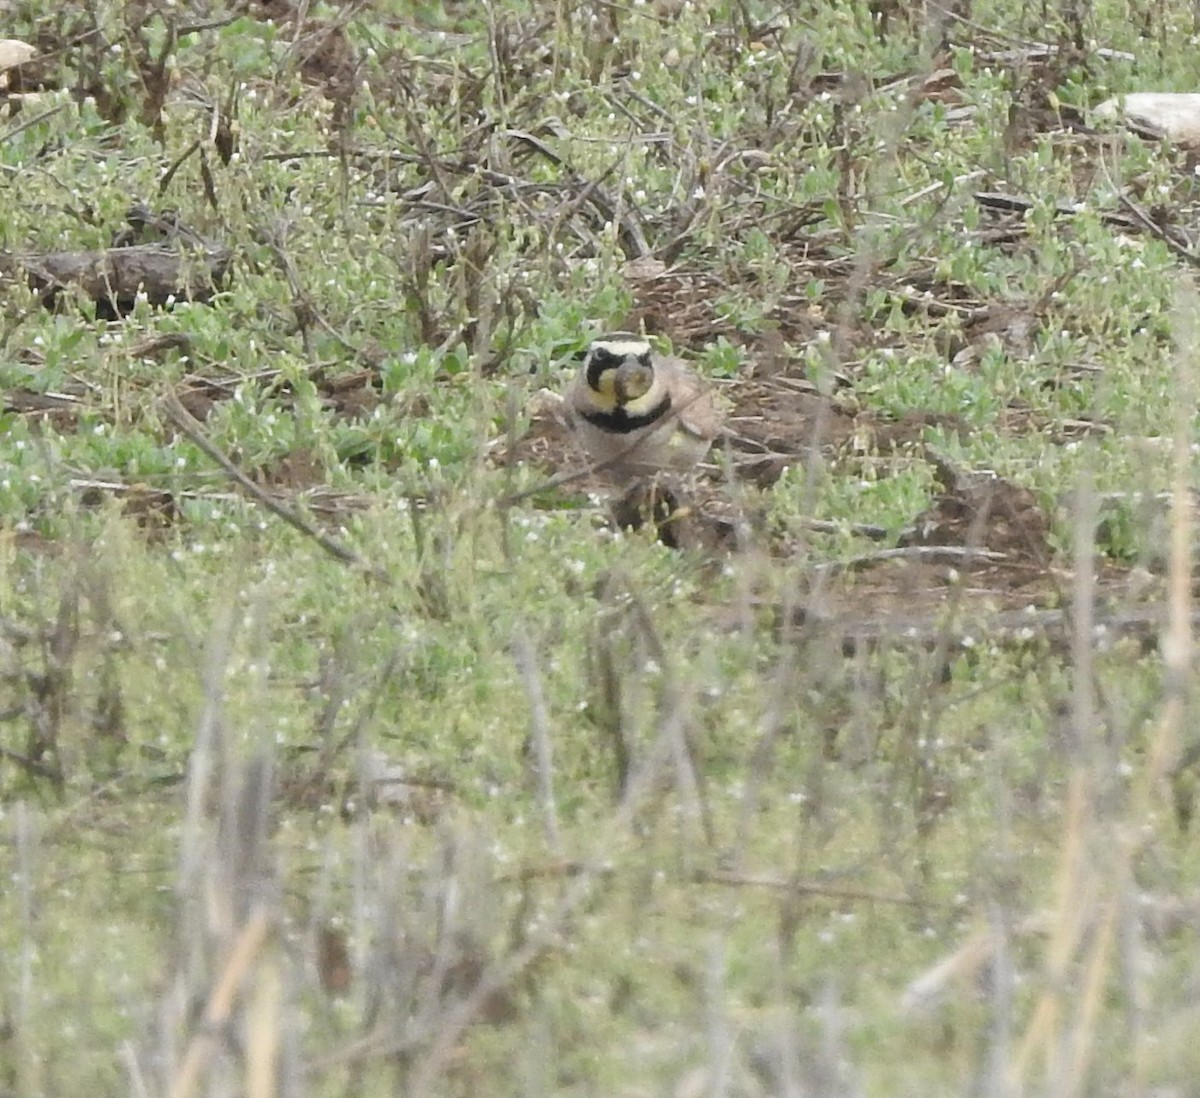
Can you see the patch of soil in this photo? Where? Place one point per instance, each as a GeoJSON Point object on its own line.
{"type": "Point", "coordinates": [778, 422]}
{"type": "Point", "coordinates": [155, 510]}
{"type": "Point", "coordinates": [297, 471]}
{"type": "Point", "coordinates": [354, 396]}
{"type": "Point", "coordinates": [979, 510]}
{"type": "Point", "coordinates": [324, 54]}
{"type": "Point", "coordinates": [983, 542]}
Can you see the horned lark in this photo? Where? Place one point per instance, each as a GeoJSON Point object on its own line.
{"type": "Point", "coordinates": [638, 414]}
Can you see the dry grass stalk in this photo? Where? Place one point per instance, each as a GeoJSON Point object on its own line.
{"type": "Point", "coordinates": [539, 733]}
{"type": "Point", "coordinates": [218, 1011]}
{"type": "Point", "coordinates": [1095, 907]}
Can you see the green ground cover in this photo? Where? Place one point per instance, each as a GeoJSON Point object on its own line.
{"type": "Point", "coordinates": [450, 787]}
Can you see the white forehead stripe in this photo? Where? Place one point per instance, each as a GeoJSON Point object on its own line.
{"type": "Point", "coordinates": [622, 348]}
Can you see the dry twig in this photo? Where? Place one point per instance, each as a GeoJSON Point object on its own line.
{"type": "Point", "coordinates": [191, 429]}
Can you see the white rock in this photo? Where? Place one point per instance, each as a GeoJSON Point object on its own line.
{"type": "Point", "coordinates": [14, 52]}
{"type": "Point", "coordinates": [1176, 114]}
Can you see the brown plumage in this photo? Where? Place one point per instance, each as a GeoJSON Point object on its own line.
{"type": "Point", "coordinates": [638, 414]}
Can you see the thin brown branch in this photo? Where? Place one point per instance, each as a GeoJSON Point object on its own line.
{"type": "Point", "coordinates": [802, 888]}
{"type": "Point", "coordinates": [191, 429]}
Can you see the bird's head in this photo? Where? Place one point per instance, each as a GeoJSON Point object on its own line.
{"type": "Point", "coordinates": [619, 368]}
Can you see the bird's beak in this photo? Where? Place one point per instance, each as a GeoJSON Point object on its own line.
{"type": "Point", "coordinates": [633, 380]}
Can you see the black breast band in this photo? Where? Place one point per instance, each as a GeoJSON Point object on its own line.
{"type": "Point", "coordinates": [620, 422]}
